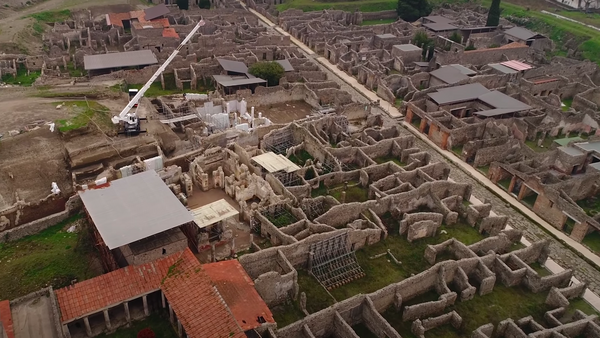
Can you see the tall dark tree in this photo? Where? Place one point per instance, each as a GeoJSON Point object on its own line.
{"type": "Point", "coordinates": [183, 4]}
{"type": "Point", "coordinates": [267, 70]}
{"type": "Point", "coordinates": [204, 4]}
{"type": "Point", "coordinates": [493, 18]}
{"type": "Point", "coordinates": [412, 10]}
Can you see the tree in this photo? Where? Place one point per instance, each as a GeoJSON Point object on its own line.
{"type": "Point", "coordinates": [146, 333]}
{"type": "Point", "coordinates": [493, 18]}
{"type": "Point", "coordinates": [204, 4]}
{"type": "Point", "coordinates": [420, 39]}
{"type": "Point", "coordinates": [456, 37]}
{"type": "Point", "coordinates": [183, 4]}
{"type": "Point", "coordinates": [267, 70]}
{"type": "Point", "coordinates": [412, 10]}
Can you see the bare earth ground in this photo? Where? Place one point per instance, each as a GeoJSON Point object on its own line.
{"type": "Point", "coordinates": [285, 112]}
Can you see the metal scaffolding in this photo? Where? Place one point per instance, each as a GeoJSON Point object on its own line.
{"type": "Point", "coordinates": [312, 208]}
{"type": "Point", "coordinates": [279, 142]}
{"type": "Point", "coordinates": [288, 179]}
{"type": "Point", "coordinates": [333, 263]}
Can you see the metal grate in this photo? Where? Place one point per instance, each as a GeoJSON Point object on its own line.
{"type": "Point", "coordinates": [333, 263]}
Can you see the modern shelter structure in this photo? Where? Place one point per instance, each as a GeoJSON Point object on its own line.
{"type": "Point", "coordinates": [105, 63]}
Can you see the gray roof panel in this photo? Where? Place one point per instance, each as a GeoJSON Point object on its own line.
{"type": "Point", "coordinates": [449, 75]}
{"type": "Point", "coordinates": [287, 66]}
{"type": "Point", "coordinates": [521, 33]}
{"type": "Point", "coordinates": [229, 81]}
{"type": "Point", "coordinates": [502, 69]}
{"type": "Point", "coordinates": [133, 208]}
{"type": "Point", "coordinates": [494, 112]}
{"type": "Point", "coordinates": [458, 94]}
{"type": "Point", "coordinates": [156, 12]}
{"type": "Point", "coordinates": [438, 19]}
{"type": "Point", "coordinates": [118, 60]}
{"type": "Point", "coordinates": [440, 27]}
{"type": "Point", "coordinates": [500, 100]}
{"type": "Point", "coordinates": [233, 66]}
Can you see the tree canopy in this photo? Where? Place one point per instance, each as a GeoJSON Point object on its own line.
{"type": "Point", "coordinates": [204, 4]}
{"type": "Point", "coordinates": [412, 10]}
{"type": "Point", "coordinates": [183, 4]}
{"type": "Point", "coordinates": [493, 18]}
{"type": "Point", "coordinates": [267, 70]}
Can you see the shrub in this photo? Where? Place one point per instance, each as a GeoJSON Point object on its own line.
{"type": "Point", "coordinates": [204, 4]}
{"type": "Point", "coordinates": [456, 37]}
{"type": "Point", "coordinates": [183, 4]}
{"type": "Point", "coordinates": [268, 70]}
{"type": "Point", "coordinates": [421, 39]}
{"type": "Point", "coordinates": [412, 10]}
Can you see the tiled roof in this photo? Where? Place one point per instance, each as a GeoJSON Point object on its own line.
{"type": "Point", "coordinates": [507, 46]}
{"type": "Point", "coordinates": [197, 303]}
{"type": "Point", "coordinates": [117, 18]}
{"type": "Point", "coordinates": [112, 288]}
{"type": "Point", "coordinates": [6, 319]}
{"type": "Point", "coordinates": [237, 289]}
{"type": "Point", "coordinates": [170, 33]}
{"type": "Point", "coordinates": [540, 81]}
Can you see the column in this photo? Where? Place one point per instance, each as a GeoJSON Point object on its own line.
{"type": "Point", "coordinates": [145, 299]}
{"type": "Point", "coordinates": [511, 186]}
{"type": "Point", "coordinates": [127, 315]}
{"type": "Point", "coordinates": [171, 314]}
{"type": "Point", "coordinates": [107, 320]}
{"type": "Point", "coordinates": [162, 298]}
{"type": "Point", "coordinates": [65, 330]}
{"type": "Point", "coordinates": [88, 329]}
{"type": "Point", "coordinates": [179, 329]}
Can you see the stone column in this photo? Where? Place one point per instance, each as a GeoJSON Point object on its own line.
{"type": "Point", "coordinates": [88, 329]}
{"type": "Point", "coordinates": [163, 300]}
{"type": "Point", "coordinates": [127, 315]}
{"type": "Point", "coordinates": [179, 329]}
{"type": "Point", "coordinates": [66, 332]}
{"type": "Point", "coordinates": [171, 319]}
{"type": "Point", "coordinates": [107, 320]}
{"type": "Point", "coordinates": [145, 299]}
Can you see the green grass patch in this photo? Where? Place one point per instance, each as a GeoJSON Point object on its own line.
{"type": "Point", "coordinates": [416, 123]}
{"type": "Point", "coordinates": [350, 6]}
{"type": "Point", "coordinates": [457, 150]}
{"type": "Point", "coordinates": [398, 101]}
{"type": "Point", "coordinates": [155, 90]}
{"type": "Point", "coordinates": [284, 218]}
{"type": "Point", "coordinates": [287, 313]}
{"type": "Point", "coordinates": [567, 104]}
{"type": "Point", "coordinates": [317, 297]}
{"type": "Point", "coordinates": [23, 77]}
{"type": "Point", "coordinates": [389, 158]}
{"type": "Point", "coordinates": [320, 191]}
{"type": "Point", "coordinates": [545, 146]}
{"type": "Point", "coordinates": [588, 18]}
{"type": "Point", "coordinates": [363, 331]}
{"type": "Point", "coordinates": [353, 194]}
{"type": "Point", "coordinates": [75, 72]}
{"type": "Point", "coordinates": [51, 16]}
{"type": "Point", "coordinates": [65, 95]}
{"type": "Point", "coordinates": [51, 257]}
{"type": "Point", "coordinates": [592, 241]}
{"type": "Point", "coordinates": [505, 183]}
{"type": "Point", "coordinates": [84, 112]}
{"type": "Point", "coordinates": [377, 22]}
{"type": "Point", "coordinates": [160, 325]}
{"type": "Point", "coordinates": [485, 169]}
{"type": "Point", "coordinates": [530, 199]}
{"type": "Point", "coordinates": [300, 157]}
{"type": "Point", "coordinates": [590, 205]}
{"type": "Point", "coordinates": [541, 270]}
{"type": "Point", "coordinates": [382, 271]}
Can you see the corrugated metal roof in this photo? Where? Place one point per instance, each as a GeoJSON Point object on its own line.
{"type": "Point", "coordinates": [117, 60]}
{"type": "Point", "coordinates": [571, 151]}
{"type": "Point", "coordinates": [463, 69]}
{"type": "Point", "coordinates": [438, 19]}
{"type": "Point", "coordinates": [440, 27]}
{"type": "Point", "coordinates": [133, 208]}
{"type": "Point", "coordinates": [156, 11]}
{"type": "Point", "coordinates": [449, 75]}
{"type": "Point", "coordinates": [229, 81]}
{"type": "Point", "coordinates": [458, 94]}
{"type": "Point", "coordinates": [233, 66]}
{"type": "Point", "coordinates": [275, 162]}
{"type": "Point", "coordinates": [213, 213]}
{"type": "Point", "coordinates": [516, 65]}
{"type": "Point", "coordinates": [287, 66]}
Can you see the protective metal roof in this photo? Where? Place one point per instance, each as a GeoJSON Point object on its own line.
{"type": "Point", "coordinates": [156, 11]}
{"type": "Point", "coordinates": [516, 65]}
{"type": "Point", "coordinates": [571, 151]}
{"type": "Point", "coordinates": [133, 208]}
{"type": "Point", "coordinates": [229, 81]}
{"type": "Point", "coordinates": [118, 60]}
{"type": "Point", "coordinates": [494, 112]}
{"type": "Point", "coordinates": [522, 33]}
{"type": "Point", "coordinates": [407, 47]}
{"type": "Point", "coordinates": [440, 27]}
{"type": "Point", "coordinates": [287, 66]}
{"type": "Point", "coordinates": [566, 140]}
{"type": "Point", "coordinates": [458, 94]}
{"type": "Point", "coordinates": [502, 69]}
{"type": "Point", "coordinates": [448, 74]}
{"type": "Point", "coordinates": [500, 100]}
{"type": "Point", "coordinates": [589, 146]}
{"type": "Point", "coordinates": [438, 19]}
{"type": "Point", "coordinates": [275, 162]}
{"type": "Point", "coordinates": [233, 66]}
{"type": "Point", "coordinates": [213, 213]}
{"type": "Point", "coordinates": [463, 69]}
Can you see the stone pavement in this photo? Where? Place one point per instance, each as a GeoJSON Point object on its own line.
{"type": "Point", "coordinates": [462, 172]}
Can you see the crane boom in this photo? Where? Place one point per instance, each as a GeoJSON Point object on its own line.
{"type": "Point", "coordinates": [161, 69]}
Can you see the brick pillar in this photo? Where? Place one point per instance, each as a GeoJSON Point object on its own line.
{"type": "Point", "coordinates": [424, 124]}
{"type": "Point", "coordinates": [512, 183]}
{"type": "Point", "coordinates": [522, 191]}
{"type": "Point", "coordinates": [409, 115]}
{"type": "Point", "coordinates": [579, 231]}
{"type": "Point", "coordinates": [445, 137]}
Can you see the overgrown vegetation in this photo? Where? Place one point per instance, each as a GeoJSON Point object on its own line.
{"type": "Point", "coordinates": [84, 113]}
{"type": "Point", "coordinates": [267, 70]}
{"type": "Point", "coordinates": [350, 6]}
{"type": "Point", "coordinates": [389, 158]}
{"type": "Point", "coordinates": [52, 257]}
{"type": "Point", "coordinates": [300, 157]}
{"type": "Point", "coordinates": [183, 4]}
{"type": "Point", "coordinates": [287, 313]}
{"type": "Point", "coordinates": [456, 37]}
{"type": "Point", "coordinates": [42, 19]}
{"type": "Point", "coordinates": [158, 324]}
{"type": "Point", "coordinates": [317, 297]}
{"type": "Point", "coordinates": [592, 241]}
{"type": "Point", "coordinates": [412, 10]}
{"type": "Point", "coordinates": [282, 219]}
{"type": "Point", "coordinates": [23, 78]}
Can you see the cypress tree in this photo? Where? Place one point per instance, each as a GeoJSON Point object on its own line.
{"type": "Point", "coordinates": [493, 18]}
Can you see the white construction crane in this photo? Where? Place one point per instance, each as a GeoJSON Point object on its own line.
{"type": "Point", "coordinates": [131, 122]}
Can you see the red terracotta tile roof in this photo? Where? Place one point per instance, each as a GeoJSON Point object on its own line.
{"type": "Point", "coordinates": [237, 289]}
{"type": "Point", "coordinates": [170, 33]}
{"type": "Point", "coordinates": [6, 319]}
{"type": "Point", "coordinates": [140, 15]}
{"type": "Point", "coordinates": [197, 303]}
{"type": "Point", "coordinates": [112, 288]}
{"type": "Point", "coordinates": [540, 81]}
{"type": "Point", "coordinates": [117, 18]}
{"type": "Point", "coordinates": [163, 21]}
